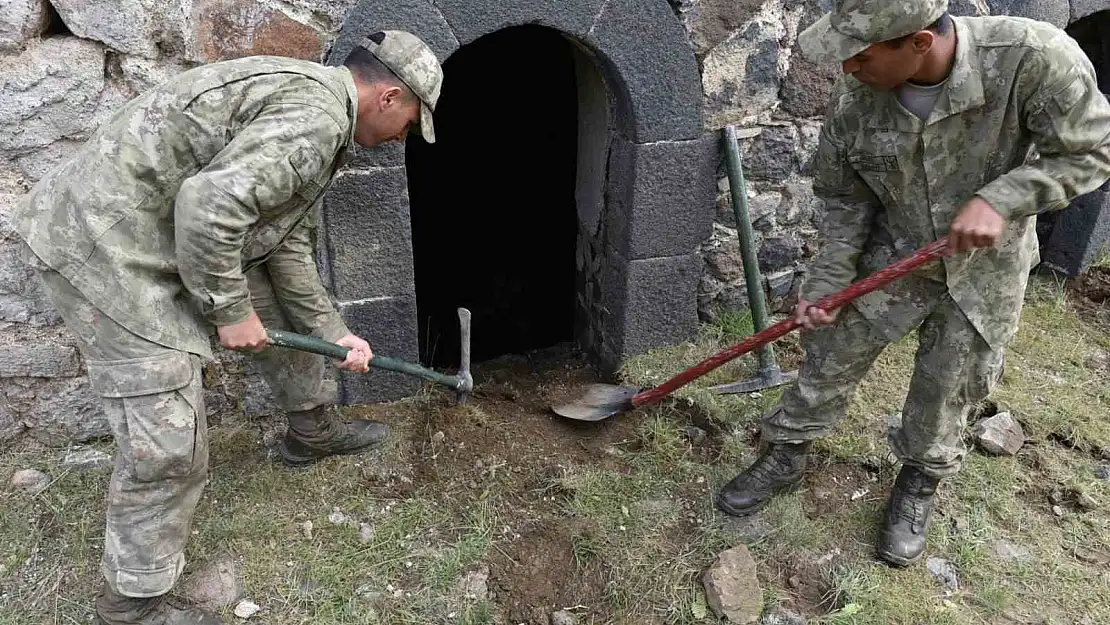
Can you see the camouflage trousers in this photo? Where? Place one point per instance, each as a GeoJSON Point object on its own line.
{"type": "Point", "coordinates": [953, 371]}
{"type": "Point", "coordinates": [153, 398]}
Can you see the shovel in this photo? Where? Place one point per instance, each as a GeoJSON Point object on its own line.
{"type": "Point", "coordinates": [463, 382]}
{"type": "Point", "coordinates": [601, 401]}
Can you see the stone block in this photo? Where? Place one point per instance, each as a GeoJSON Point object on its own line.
{"type": "Point", "coordinates": [129, 26]}
{"type": "Point", "coordinates": [1079, 233]}
{"type": "Point", "coordinates": [661, 196]}
{"type": "Point", "coordinates": [369, 234]}
{"type": "Point", "coordinates": [807, 88]}
{"type": "Point", "coordinates": [56, 411]}
{"type": "Point", "coordinates": [710, 22]}
{"type": "Point", "coordinates": [651, 63]}
{"type": "Point", "coordinates": [1056, 12]}
{"type": "Point", "coordinates": [1082, 8]}
{"type": "Point", "coordinates": [773, 155]}
{"type": "Point", "coordinates": [471, 19]}
{"type": "Point", "coordinates": [651, 303]}
{"type": "Point", "coordinates": [419, 17]}
{"type": "Point", "coordinates": [49, 92]}
{"type": "Point", "coordinates": [142, 74]}
{"type": "Point", "coordinates": [389, 325]}
{"type": "Point", "coordinates": [741, 75]}
{"type": "Point", "coordinates": [968, 8]}
{"type": "Point", "coordinates": [778, 252]}
{"type": "Point", "coordinates": [228, 29]}
{"type": "Point", "coordinates": [21, 20]}
{"type": "Point", "coordinates": [390, 154]}
{"type": "Point", "coordinates": [39, 361]}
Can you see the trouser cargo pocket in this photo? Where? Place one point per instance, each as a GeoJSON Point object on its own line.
{"type": "Point", "coordinates": [155, 407]}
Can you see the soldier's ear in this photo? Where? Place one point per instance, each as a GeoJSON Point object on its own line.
{"type": "Point", "coordinates": [922, 41]}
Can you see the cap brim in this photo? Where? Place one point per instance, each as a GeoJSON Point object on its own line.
{"type": "Point", "coordinates": [427, 130]}
{"type": "Point", "coordinates": [821, 43]}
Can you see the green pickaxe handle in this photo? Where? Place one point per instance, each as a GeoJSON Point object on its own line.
{"type": "Point", "coordinates": [314, 345]}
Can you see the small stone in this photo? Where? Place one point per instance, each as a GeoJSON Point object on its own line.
{"type": "Point", "coordinates": [306, 529]}
{"type": "Point", "coordinates": [732, 587]}
{"type": "Point", "coordinates": [779, 616]}
{"type": "Point", "coordinates": [1005, 550]}
{"type": "Point", "coordinates": [696, 435]}
{"type": "Point", "coordinates": [1000, 435]}
{"type": "Point", "coordinates": [1057, 510]}
{"type": "Point", "coordinates": [217, 584]}
{"type": "Point", "coordinates": [246, 609]}
{"type": "Point", "coordinates": [337, 517]}
{"type": "Point", "coordinates": [365, 533]}
{"type": "Point", "coordinates": [87, 460]}
{"type": "Point", "coordinates": [438, 437]}
{"type": "Point", "coordinates": [30, 481]}
{"type": "Point", "coordinates": [749, 529]}
{"type": "Point", "coordinates": [944, 572]}
{"type": "Point", "coordinates": [1103, 472]}
{"type": "Point", "coordinates": [475, 584]}
{"type": "Point", "coordinates": [563, 617]}
{"type": "Point", "coordinates": [1104, 453]}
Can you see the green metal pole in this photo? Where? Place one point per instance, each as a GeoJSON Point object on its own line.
{"type": "Point", "coordinates": [314, 345]}
{"type": "Point", "coordinates": [739, 194]}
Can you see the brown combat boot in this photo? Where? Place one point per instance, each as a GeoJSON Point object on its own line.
{"type": "Point", "coordinates": [908, 517]}
{"type": "Point", "coordinates": [778, 469]}
{"type": "Point", "coordinates": [113, 609]}
{"type": "Point", "coordinates": [321, 432]}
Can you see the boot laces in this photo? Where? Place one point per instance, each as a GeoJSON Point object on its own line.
{"type": "Point", "coordinates": [912, 506]}
{"type": "Point", "coordinates": [772, 467]}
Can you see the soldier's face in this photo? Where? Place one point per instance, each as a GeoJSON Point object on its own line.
{"type": "Point", "coordinates": [884, 67]}
{"type": "Point", "coordinates": [390, 116]}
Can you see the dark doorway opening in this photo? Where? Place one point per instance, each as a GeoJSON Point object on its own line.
{"type": "Point", "coordinates": [1093, 34]}
{"type": "Point", "coordinates": [493, 200]}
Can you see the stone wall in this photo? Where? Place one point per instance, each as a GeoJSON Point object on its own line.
{"type": "Point", "coordinates": [66, 65]}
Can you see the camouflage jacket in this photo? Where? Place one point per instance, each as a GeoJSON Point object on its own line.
{"type": "Point", "coordinates": [1020, 123]}
{"type": "Point", "coordinates": [192, 184]}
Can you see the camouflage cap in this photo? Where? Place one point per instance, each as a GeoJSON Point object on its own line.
{"type": "Point", "coordinates": [416, 65]}
{"type": "Point", "coordinates": [853, 25]}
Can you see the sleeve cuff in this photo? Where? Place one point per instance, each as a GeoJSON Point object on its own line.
{"type": "Point", "coordinates": [1003, 198]}
{"type": "Point", "coordinates": [231, 314]}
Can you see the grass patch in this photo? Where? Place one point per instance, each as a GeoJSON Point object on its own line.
{"type": "Point", "coordinates": [403, 535]}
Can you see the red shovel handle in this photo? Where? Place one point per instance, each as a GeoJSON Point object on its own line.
{"type": "Point", "coordinates": [879, 279]}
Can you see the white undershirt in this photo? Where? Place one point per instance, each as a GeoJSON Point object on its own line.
{"type": "Point", "coordinates": [919, 99]}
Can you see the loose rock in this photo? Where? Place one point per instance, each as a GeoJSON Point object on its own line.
{"type": "Point", "coordinates": [1005, 550]}
{"type": "Point", "coordinates": [30, 481]}
{"type": "Point", "coordinates": [218, 584]}
{"type": "Point", "coordinates": [246, 609]}
{"type": "Point", "coordinates": [21, 20]}
{"type": "Point", "coordinates": [779, 616]}
{"type": "Point", "coordinates": [1000, 435]}
{"type": "Point", "coordinates": [87, 460]}
{"type": "Point", "coordinates": [732, 587]}
{"type": "Point", "coordinates": [696, 435]}
{"type": "Point", "coordinates": [306, 529]}
{"type": "Point", "coordinates": [474, 585]}
{"type": "Point", "coordinates": [365, 533]}
{"type": "Point", "coordinates": [562, 617]}
{"type": "Point", "coordinates": [944, 572]}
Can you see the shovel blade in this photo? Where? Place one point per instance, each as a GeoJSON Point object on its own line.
{"type": "Point", "coordinates": [597, 402]}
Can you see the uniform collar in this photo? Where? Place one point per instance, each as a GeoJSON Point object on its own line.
{"type": "Point", "coordinates": [352, 102]}
{"type": "Point", "coordinates": [962, 92]}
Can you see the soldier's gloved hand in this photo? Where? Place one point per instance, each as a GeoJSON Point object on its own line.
{"type": "Point", "coordinates": [248, 335]}
{"type": "Point", "coordinates": [811, 317]}
{"type": "Point", "coordinates": [358, 359]}
{"type": "Point", "coordinates": [977, 225]}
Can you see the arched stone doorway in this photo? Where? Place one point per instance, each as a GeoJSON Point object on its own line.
{"type": "Point", "coordinates": [642, 191]}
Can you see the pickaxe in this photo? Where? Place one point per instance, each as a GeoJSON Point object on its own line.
{"type": "Point", "coordinates": [463, 382]}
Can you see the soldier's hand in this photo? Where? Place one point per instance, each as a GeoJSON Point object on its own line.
{"type": "Point", "coordinates": [811, 317]}
{"type": "Point", "coordinates": [358, 359]}
{"type": "Point", "coordinates": [977, 225]}
{"type": "Point", "coordinates": [246, 335]}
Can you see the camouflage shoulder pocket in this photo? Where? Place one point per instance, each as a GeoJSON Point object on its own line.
{"type": "Point", "coordinates": [862, 161]}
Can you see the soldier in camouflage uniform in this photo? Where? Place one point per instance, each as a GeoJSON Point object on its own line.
{"type": "Point", "coordinates": [928, 134]}
{"type": "Point", "coordinates": [193, 208]}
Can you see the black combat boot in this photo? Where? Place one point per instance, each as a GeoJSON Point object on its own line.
{"type": "Point", "coordinates": [113, 609]}
{"type": "Point", "coordinates": [779, 468]}
{"type": "Point", "coordinates": [321, 432]}
{"type": "Point", "coordinates": [908, 517]}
